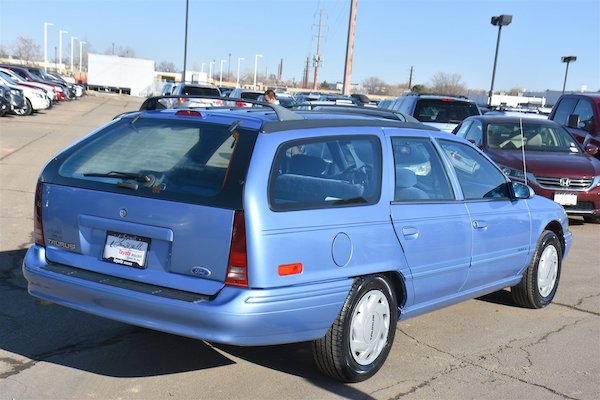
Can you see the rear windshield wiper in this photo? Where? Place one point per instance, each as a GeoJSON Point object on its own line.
{"type": "Point", "coordinates": [147, 180]}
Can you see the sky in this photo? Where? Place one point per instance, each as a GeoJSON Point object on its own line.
{"type": "Point", "coordinates": [431, 36]}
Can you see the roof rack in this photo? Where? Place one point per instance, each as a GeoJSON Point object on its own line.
{"type": "Point", "coordinates": [174, 102]}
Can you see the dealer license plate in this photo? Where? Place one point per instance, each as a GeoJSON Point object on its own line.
{"type": "Point", "coordinates": [125, 249]}
{"type": "Point", "coordinates": [566, 199]}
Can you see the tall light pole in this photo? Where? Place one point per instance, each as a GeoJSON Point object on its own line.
{"type": "Point", "coordinates": [499, 21]}
{"type": "Point", "coordinates": [210, 65]}
{"type": "Point", "coordinates": [221, 73]}
{"type": "Point", "coordinates": [46, 25]}
{"type": "Point", "coordinates": [185, 41]}
{"type": "Point", "coordinates": [60, 51]}
{"type": "Point", "coordinates": [255, 68]}
{"type": "Point", "coordinates": [237, 82]}
{"type": "Point", "coordinates": [81, 55]}
{"type": "Point", "coordinates": [567, 60]}
{"type": "Point", "coordinates": [72, 40]}
{"type": "Point", "coordinates": [349, 49]}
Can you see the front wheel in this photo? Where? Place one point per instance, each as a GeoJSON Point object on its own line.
{"type": "Point", "coordinates": [540, 281]}
{"type": "Point", "coordinates": [360, 339]}
{"type": "Point", "coordinates": [27, 110]}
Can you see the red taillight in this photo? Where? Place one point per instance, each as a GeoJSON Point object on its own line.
{"type": "Point", "coordinates": [237, 270]}
{"type": "Point", "coordinates": [38, 227]}
{"type": "Point", "coordinates": [188, 113]}
{"type": "Point", "coordinates": [240, 104]}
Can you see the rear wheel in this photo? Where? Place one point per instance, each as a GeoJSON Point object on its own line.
{"type": "Point", "coordinates": [360, 339]}
{"type": "Point", "coordinates": [540, 281]}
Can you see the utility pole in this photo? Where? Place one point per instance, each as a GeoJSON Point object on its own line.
{"type": "Point", "coordinates": [187, 4]}
{"type": "Point", "coordinates": [410, 78]}
{"type": "Point", "coordinates": [350, 48]}
{"type": "Point", "coordinates": [280, 71]}
{"type": "Point", "coordinates": [305, 77]}
{"type": "Point", "coordinates": [317, 59]}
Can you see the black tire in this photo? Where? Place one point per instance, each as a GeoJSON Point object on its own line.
{"type": "Point", "coordinates": [372, 301]}
{"type": "Point", "coordinates": [27, 110]}
{"type": "Point", "coordinates": [590, 219]}
{"type": "Point", "coordinates": [533, 292]}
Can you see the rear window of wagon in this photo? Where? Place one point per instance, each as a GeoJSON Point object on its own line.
{"type": "Point", "coordinates": [187, 161]}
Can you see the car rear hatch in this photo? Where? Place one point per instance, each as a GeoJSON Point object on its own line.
{"type": "Point", "coordinates": [148, 200]}
{"type": "Point", "coordinates": [444, 113]}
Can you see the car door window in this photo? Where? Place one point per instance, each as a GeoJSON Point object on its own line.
{"type": "Point", "coordinates": [419, 173]}
{"type": "Point", "coordinates": [564, 109]}
{"type": "Point", "coordinates": [326, 172]}
{"type": "Point", "coordinates": [474, 134]}
{"type": "Point", "coordinates": [479, 178]}
{"type": "Point", "coordinates": [586, 114]}
{"type": "Point", "coordinates": [464, 127]}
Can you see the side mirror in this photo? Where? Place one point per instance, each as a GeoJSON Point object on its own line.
{"type": "Point", "coordinates": [521, 191]}
{"type": "Point", "coordinates": [591, 149]}
{"type": "Point", "coordinates": [573, 121]}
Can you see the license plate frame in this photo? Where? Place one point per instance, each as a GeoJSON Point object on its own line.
{"type": "Point", "coordinates": [566, 199]}
{"type": "Point", "coordinates": [126, 249]}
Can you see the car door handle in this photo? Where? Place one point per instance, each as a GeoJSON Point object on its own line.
{"type": "Point", "coordinates": [410, 232]}
{"type": "Point", "coordinates": [480, 225]}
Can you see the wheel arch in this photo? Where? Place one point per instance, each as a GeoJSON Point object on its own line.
{"type": "Point", "coordinates": [556, 227]}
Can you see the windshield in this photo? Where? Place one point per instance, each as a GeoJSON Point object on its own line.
{"type": "Point", "coordinates": [536, 137]}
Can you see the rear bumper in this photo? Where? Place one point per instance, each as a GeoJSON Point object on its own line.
{"type": "Point", "coordinates": [236, 316]}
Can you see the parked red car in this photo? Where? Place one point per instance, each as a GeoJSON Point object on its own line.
{"type": "Point", "coordinates": [542, 154]}
{"type": "Point", "coordinates": [28, 76]}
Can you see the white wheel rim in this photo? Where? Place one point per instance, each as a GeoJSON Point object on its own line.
{"type": "Point", "coordinates": [547, 271]}
{"type": "Point", "coordinates": [369, 327]}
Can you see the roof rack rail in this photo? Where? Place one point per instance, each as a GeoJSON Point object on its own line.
{"type": "Point", "coordinates": [460, 96]}
{"type": "Point", "coordinates": [162, 102]}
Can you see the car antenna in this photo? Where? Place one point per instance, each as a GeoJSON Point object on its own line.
{"type": "Point", "coordinates": [523, 148]}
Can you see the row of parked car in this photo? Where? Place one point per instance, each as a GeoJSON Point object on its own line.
{"type": "Point", "coordinates": [26, 89]}
{"type": "Point", "coordinates": [559, 160]}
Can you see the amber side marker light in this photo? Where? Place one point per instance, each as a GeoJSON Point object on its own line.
{"type": "Point", "coordinates": [290, 269]}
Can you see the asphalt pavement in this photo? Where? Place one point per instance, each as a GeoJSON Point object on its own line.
{"type": "Point", "coordinates": [486, 348]}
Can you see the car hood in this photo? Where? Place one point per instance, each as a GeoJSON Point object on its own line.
{"type": "Point", "coordinates": [548, 163]}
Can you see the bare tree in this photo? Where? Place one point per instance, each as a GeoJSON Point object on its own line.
{"type": "Point", "coordinates": [448, 84]}
{"type": "Point", "coordinates": [516, 91]}
{"type": "Point", "coordinates": [4, 52]}
{"type": "Point", "coordinates": [26, 49]}
{"type": "Point", "coordinates": [374, 85]}
{"type": "Point", "coordinates": [125, 52]}
{"type": "Point", "coordinates": [166, 66]}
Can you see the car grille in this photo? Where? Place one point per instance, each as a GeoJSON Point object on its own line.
{"type": "Point", "coordinates": [548, 182]}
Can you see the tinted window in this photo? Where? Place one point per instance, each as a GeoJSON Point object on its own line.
{"type": "Point", "coordinates": [478, 177]}
{"type": "Point", "coordinates": [586, 114]}
{"type": "Point", "coordinates": [326, 172]}
{"type": "Point", "coordinates": [200, 91]}
{"type": "Point", "coordinates": [419, 173]}
{"type": "Point", "coordinates": [564, 109]}
{"type": "Point", "coordinates": [444, 110]}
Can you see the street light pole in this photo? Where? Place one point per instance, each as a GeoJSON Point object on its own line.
{"type": "Point", "coordinates": [185, 41]}
{"type": "Point", "coordinates": [81, 56]}
{"type": "Point", "coordinates": [210, 66]}
{"type": "Point", "coordinates": [255, 67]}
{"type": "Point", "coordinates": [221, 73]}
{"type": "Point", "coordinates": [237, 84]}
{"type": "Point", "coordinates": [567, 60]}
{"type": "Point", "coordinates": [60, 51]}
{"type": "Point", "coordinates": [46, 24]}
{"type": "Point", "coordinates": [72, 39]}
{"type": "Point", "coordinates": [499, 21]}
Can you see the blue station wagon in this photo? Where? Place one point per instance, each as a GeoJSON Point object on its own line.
{"type": "Point", "coordinates": [262, 226]}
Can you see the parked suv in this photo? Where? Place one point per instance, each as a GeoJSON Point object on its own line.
{"type": "Point", "coordinates": [580, 114]}
{"type": "Point", "coordinates": [261, 226]}
{"type": "Point", "coordinates": [193, 89]}
{"type": "Point", "coordinates": [442, 112]}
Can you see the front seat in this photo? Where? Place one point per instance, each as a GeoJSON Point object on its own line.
{"type": "Point", "coordinates": [405, 186]}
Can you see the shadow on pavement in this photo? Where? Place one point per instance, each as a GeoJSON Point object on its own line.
{"type": "Point", "coordinates": [37, 331]}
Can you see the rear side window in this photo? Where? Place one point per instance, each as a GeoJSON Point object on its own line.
{"type": "Point", "coordinates": [183, 159]}
{"type": "Point", "coordinates": [326, 172]}
{"type": "Point", "coordinates": [444, 111]}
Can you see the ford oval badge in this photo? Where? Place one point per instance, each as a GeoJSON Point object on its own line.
{"type": "Point", "coordinates": [200, 271]}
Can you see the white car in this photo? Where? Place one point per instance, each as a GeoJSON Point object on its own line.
{"type": "Point", "coordinates": [35, 99]}
{"type": "Point", "coordinates": [50, 92]}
